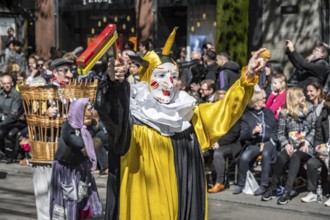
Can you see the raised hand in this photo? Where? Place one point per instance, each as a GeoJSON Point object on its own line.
{"type": "Point", "coordinates": [255, 63]}
{"type": "Point", "coordinates": [117, 69]}
{"type": "Point", "coordinates": [289, 45]}
{"type": "Point", "coordinates": [215, 146]}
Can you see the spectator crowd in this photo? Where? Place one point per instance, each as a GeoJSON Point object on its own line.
{"type": "Point", "coordinates": [285, 127]}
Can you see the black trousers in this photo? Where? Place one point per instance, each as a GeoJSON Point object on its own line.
{"type": "Point", "coordinates": [220, 155]}
{"type": "Point", "coordinates": [294, 161]}
{"type": "Point", "coordinates": [4, 132]}
{"type": "Point", "coordinates": [312, 174]}
{"type": "Point", "coordinates": [11, 131]}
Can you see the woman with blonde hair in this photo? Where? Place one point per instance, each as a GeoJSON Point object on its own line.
{"type": "Point", "coordinates": [296, 133]}
{"type": "Point", "coordinates": [13, 69]}
{"type": "Point", "coordinates": [276, 100]}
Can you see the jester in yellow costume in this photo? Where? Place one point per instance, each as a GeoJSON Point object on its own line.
{"type": "Point", "coordinates": [157, 136]}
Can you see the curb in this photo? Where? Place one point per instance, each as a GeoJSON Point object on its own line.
{"type": "Point", "coordinates": [12, 169]}
{"type": "Point", "coordinates": [295, 205]}
{"type": "Point", "coordinates": [278, 207]}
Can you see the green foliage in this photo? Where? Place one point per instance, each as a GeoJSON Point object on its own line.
{"type": "Point", "coordinates": [232, 29]}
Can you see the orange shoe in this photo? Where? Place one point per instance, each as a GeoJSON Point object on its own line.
{"type": "Point", "coordinates": [23, 162]}
{"type": "Point", "coordinates": [217, 188]}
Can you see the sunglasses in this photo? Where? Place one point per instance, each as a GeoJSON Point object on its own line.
{"type": "Point", "coordinates": [40, 65]}
{"type": "Point", "coordinates": [65, 70]}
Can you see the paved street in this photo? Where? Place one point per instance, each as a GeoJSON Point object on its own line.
{"type": "Point", "coordinates": [17, 201]}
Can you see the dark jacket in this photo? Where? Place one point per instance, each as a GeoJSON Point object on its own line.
{"type": "Point", "coordinates": [251, 118]}
{"type": "Point", "coordinates": [11, 107]}
{"type": "Point", "coordinates": [228, 74]}
{"type": "Point", "coordinates": [265, 82]}
{"type": "Point", "coordinates": [306, 72]}
{"type": "Point", "coordinates": [186, 71]}
{"type": "Point", "coordinates": [70, 145]}
{"type": "Point", "coordinates": [322, 128]}
{"type": "Point", "coordinates": [212, 71]}
{"type": "Point", "coordinates": [196, 73]}
{"type": "Point", "coordinates": [232, 135]}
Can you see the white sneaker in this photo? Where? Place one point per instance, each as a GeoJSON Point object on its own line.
{"type": "Point", "coordinates": [311, 197]}
{"type": "Point", "coordinates": [327, 203]}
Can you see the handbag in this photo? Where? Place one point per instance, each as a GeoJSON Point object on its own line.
{"type": "Point", "coordinates": [69, 191]}
{"type": "Point", "coordinates": [251, 185]}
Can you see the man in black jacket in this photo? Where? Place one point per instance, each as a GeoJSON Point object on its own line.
{"type": "Point", "coordinates": [229, 71]}
{"type": "Point", "coordinates": [11, 109]}
{"type": "Point", "coordinates": [314, 68]}
{"type": "Point", "coordinates": [211, 66]}
{"type": "Point", "coordinates": [228, 145]}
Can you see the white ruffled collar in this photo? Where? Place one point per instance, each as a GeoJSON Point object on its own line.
{"type": "Point", "coordinates": [168, 119]}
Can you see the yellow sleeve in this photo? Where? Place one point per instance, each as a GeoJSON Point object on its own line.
{"type": "Point", "coordinates": [213, 120]}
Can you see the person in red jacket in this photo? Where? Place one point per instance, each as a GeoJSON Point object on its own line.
{"type": "Point", "coordinates": [276, 100]}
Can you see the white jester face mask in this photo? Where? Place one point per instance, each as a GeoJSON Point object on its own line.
{"type": "Point", "coordinates": [162, 82]}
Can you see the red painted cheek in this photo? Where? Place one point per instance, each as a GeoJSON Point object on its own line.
{"type": "Point", "coordinates": [154, 84]}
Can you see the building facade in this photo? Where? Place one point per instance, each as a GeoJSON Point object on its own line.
{"type": "Point", "coordinates": [238, 27]}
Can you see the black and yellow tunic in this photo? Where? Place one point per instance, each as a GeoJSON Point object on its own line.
{"type": "Point", "coordinates": [153, 176]}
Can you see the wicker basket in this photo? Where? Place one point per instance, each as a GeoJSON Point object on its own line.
{"type": "Point", "coordinates": [44, 131]}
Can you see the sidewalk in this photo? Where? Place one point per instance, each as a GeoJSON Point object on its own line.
{"type": "Point", "coordinates": [294, 205]}
{"type": "Point", "coordinates": [26, 170]}
{"type": "Point", "coordinates": [15, 168]}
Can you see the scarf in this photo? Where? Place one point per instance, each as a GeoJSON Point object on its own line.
{"type": "Point", "coordinates": [76, 120]}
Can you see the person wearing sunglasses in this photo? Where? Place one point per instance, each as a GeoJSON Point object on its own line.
{"type": "Point", "coordinates": [44, 72]}
{"type": "Point", "coordinates": [314, 68]}
{"type": "Point", "coordinates": [62, 71]}
{"type": "Point", "coordinates": [35, 78]}
{"type": "Point", "coordinates": [42, 172]}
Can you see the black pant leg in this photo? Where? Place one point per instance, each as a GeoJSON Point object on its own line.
{"type": "Point", "coordinates": [312, 165]}
{"type": "Point", "coordinates": [295, 160]}
{"type": "Point", "coordinates": [281, 161]}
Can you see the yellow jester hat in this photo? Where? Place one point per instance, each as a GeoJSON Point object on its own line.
{"type": "Point", "coordinates": [153, 59]}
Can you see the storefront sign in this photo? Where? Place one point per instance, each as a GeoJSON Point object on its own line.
{"type": "Point", "coordinates": [290, 9]}
{"type": "Point", "coordinates": [85, 2]}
